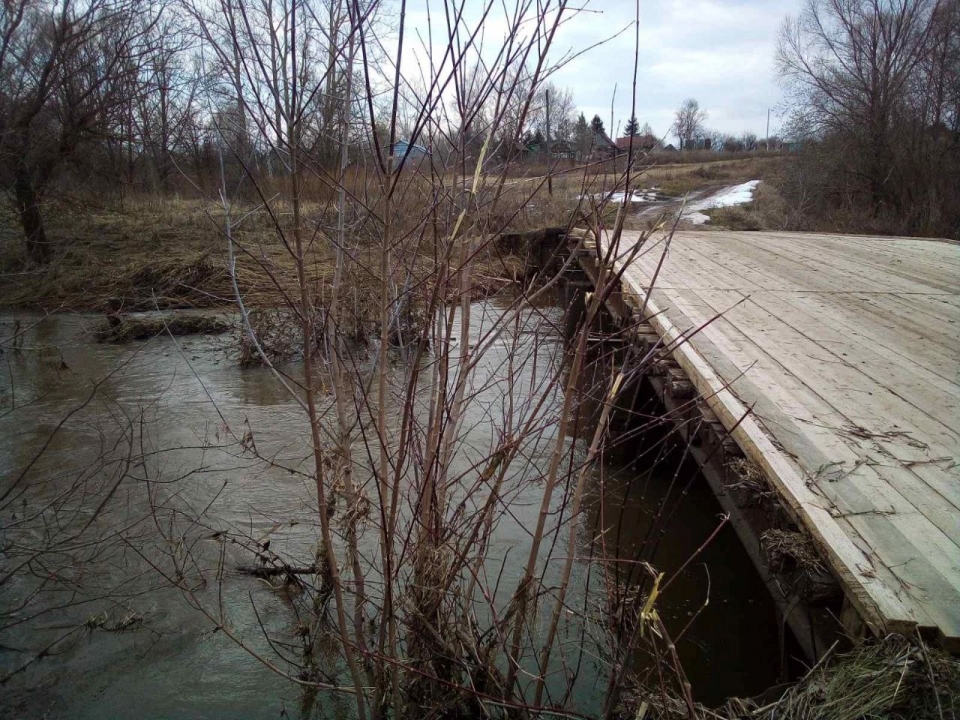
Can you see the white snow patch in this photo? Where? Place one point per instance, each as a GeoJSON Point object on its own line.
{"type": "Point", "coordinates": [733, 195]}
{"type": "Point", "coordinates": [635, 197]}
{"type": "Point", "coordinates": [697, 218]}
{"type": "Point", "coordinates": [650, 196]}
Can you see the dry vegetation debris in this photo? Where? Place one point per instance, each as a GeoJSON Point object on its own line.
{"type": "Point", "coordinates": [894, 677]}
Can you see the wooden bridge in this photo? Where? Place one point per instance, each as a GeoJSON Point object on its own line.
{"type": "Point", "coordinates": [835, 365]}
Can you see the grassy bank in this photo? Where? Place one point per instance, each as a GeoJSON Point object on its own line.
{"type": "Point", "coordinates": [171, 253]}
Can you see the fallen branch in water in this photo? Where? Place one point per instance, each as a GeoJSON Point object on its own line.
{"type": "Point", "coordinates": [126, 328]}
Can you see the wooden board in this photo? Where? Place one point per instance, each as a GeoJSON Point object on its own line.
{"type": "Point", "coordinates": [847, 349]}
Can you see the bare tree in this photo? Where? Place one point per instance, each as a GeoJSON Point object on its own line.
{"type": "Point", "coordinates": [65, 70]}
{"type": "Point", "coordinates": [401, 560]}
{"type": "Point", "coordinates": [849, 62]}
{"type": "Point", "coordinates": [688, 122]}
{"type": "Point", "coordinates": [560, 105]}
{"type": "Point", "coordinates": [871, 76]}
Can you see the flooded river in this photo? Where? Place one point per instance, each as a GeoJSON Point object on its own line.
{"type": "Point", "coordinates": [162, 425]}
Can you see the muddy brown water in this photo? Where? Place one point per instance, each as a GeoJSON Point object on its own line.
{"type": "Point", "coordinates": [180, 401]}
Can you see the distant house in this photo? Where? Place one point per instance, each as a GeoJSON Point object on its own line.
{"type": "Point", "coordinates": [562, 150]}
{"type": "Point", "coordinates": [697, 143]}
{"type": "Point", "coordinates": [602, 147]}
{"type": "Point", "coordinates": [535, 147]}
{"type": "Point", "coordinates": [416, 152]}
{"type": "Point", "coordinates": [559, 149]}
{"type": "Point", "coordinates": [641, 144]}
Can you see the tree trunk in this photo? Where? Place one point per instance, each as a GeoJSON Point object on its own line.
{"type": "Point", "coordinates": [28, 207]}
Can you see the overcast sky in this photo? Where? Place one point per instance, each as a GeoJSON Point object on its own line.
{"type": "Point", "coordinates": [720, 52]}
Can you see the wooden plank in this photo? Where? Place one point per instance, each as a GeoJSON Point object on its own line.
{"type": "Point", "coordinates": [869, 328]}
{"type": "Point", "coordinates": [837, 374]}
{"type": "Point", "coordinates": [930, 564]}
{"type": "Point", "coordinates": [832, 382]}
{"type": "Point", "coordinates": [793, 270]}
{"type": "Point", "coordinates": [929, 312]}
{"type": "Point", "coordinates": [822, 271]}
{"type": "Point", "coordinates": [916, 262]}
{"type": "Point", "coordinates": [877, 604]}
{"type": "Point", "coordinates": [945, 484]}
{"type": "Point", "coordinates": [871, 320]}
{"type": "Point", "coordinates": [765, 378]}
{"type": "Point", "coordinates": [931, 262]}
{"type": "Point", "coordinates": [921, 383]}
{"type": "Point", "coordinates": [884, 362]}
{"type": "Point", "coordinates": [939, 398]}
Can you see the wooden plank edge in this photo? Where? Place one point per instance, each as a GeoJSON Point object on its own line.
{"type": "Point", "coordinates": [790, 608]}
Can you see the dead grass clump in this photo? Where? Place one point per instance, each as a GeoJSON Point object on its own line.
{"type": "Point", "coordinates": [122, 329]}
{"type": "Point", "coordinates": [750, 485]}
{"type": "Point", "coordinates": [178, 277]}
{"type": "Point", "coordinates": [791, 555]}
{"type": "Point", "coordinates": [735, 217]}
{"type": "Point", "coordinates": [146, 255]}
{"type": "Point", "coordinates": [787, 550]}
{"type": "Point", "coordinates": [794, 558]}
{"type": "Point", "coordinates": [895, 677]}
{"type": "Point", "coordinates": [892, 678]}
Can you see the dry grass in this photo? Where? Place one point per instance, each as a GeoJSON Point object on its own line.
{"type": "Point", "coordinates": [658, 158]}
{"type": "Point", "coordinates": [789, 549]}
{"type": "Point", "coordinates": [676, 180]}
{"type": "Point", "coordinates": [786, 201]}
{"type": "Point", "coordinates": [895, 677]}
{"type": "Point", "coordinates": [749, 484]}
{"type": "Point", "coordinates": [145, 250]}
{"type": "Point", "coordinates": [153, 252]}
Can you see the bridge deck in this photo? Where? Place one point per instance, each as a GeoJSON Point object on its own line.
{"type": "Point", "coordinates": [848, 350]}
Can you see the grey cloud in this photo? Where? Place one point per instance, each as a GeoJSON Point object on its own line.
{"type": "Point", "coordinates": [718, 51]}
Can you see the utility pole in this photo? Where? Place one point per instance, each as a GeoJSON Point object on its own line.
{"type": "Point", "coordinates": [549, 168]}
{"type": "Point", "coordinates": [766, 138]}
